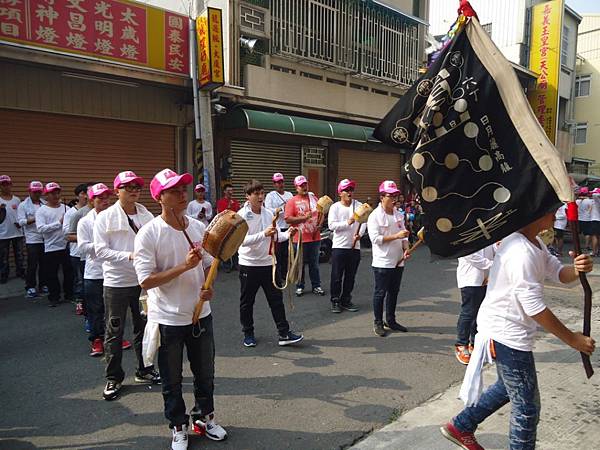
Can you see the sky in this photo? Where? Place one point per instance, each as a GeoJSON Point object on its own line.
{"type": "Point", "coordinates": [585, 6]}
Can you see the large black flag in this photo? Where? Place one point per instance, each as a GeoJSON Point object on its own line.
{"type": "Point", "coordinates": [478, 157]}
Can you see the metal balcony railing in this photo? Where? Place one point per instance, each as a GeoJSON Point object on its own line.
{"type": "Point", "coordinates": [350, 36]}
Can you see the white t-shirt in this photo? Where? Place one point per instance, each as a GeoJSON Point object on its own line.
{"type": "Point", "coordinates": [49, 223]}
{"type": "Point", "coordinates": [386, 254]}
{"type": "Point", "coordinates": [595, 207]}
{"type": "Point", "coordinates": [8, 229]}
{"type": "Point", "coordinates": [159, 247]}
{"type": "Point", "coordinates": [254, 251]}
{"type": "Point", "coordinates": [584, 209]}
{"type": "Point", "coordinates": [195, 207]}
{"type": "Point", "coordinates": [25, 211]}
{"type": "Point", "coordinates": [85, 241]}
{"type": "Point", "coordinates": [73, 249]}
{"type": "Point", "coordinates": [274, 200]}
{"type": "Point", "coordinates": [343, 234]}
{"type": "Point", "coordinates": [560, 218]}
{"type": "Point", "coordinates": [516, 291]}
{"type": "Point", "coordinates": [473, 269]}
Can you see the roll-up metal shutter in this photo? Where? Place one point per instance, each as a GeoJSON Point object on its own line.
{"type": "Point", "coordinates": [368, 169]}
{"type": "Point", "coordinates": [73, 149]}
{"type": "Point", "coordinates": [261, 160]}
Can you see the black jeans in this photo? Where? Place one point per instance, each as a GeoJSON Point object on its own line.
{"type": "Point", "coordinates": [252, 278]}
{"type": "Point", "coordinates": [466, 328]}
{"type": "Point", "coordinates": [52, 262]}
{"type": "Point", "coordinates": [344, 264]}
{"type": "Point", "coordinates": [387, 286]}
{"type": "Point", "coordinates": [116, 302]}
{"type": "Point", "coordinates": [17, 245]}
{"type": "Point", "coordinates": [201, 355]}
{"type": "Point", "coordinates": [282, 254]}
{"type": "Point", "coordinates": [35, 266]}
{"type": "Point", "coordinates": [94, 304]}
{"type": "Point", "coordinates": [77, 277]}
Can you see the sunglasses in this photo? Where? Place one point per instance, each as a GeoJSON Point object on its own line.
{"type": "Point", "coordinates": [350, 189]}
{"type": "Point", "coordinates": [131, 187]}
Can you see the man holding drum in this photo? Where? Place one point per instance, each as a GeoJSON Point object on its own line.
{"type": "Point", "coordinates": [200, 208]}
{"type": "Point", "coordinates": [345, 256]}
{"type": "Point", "coordinates": [173, 275]}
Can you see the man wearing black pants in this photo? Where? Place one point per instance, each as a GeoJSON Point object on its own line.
{"type": "Point", "coordinates": [345, 256]}
{"type": "Point", "coordinates": [273, 200]}
{"type": "Point", "coordinates": [256, 267]}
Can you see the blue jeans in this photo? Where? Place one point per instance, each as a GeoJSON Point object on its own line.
{"type": "Point", "coordinates": [310, 252]}
{"type": "Point", "coordinates": [517, 383]}
{"type": "Point", "coordinates": [387, 286]}
{"type": "Point", "coordinates": [94, 305]}
{"type": "Point", "coordinates": [466, 328]}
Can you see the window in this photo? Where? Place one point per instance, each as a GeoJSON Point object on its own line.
{"type": "Point", "coordinates": [581, 133]}
{"type": "Point", "coordinates": [564, 48]}
{"type": "Point", "coordinates": [582, 85]}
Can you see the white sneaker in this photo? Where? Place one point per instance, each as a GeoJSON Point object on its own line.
{"type": "Point", "coordinates": [210, 428]}
{"type": "Point", "coordinates": [180, 438]}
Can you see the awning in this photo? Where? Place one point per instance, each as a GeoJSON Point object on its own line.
{"type": "Point", "coordinates": [282, 123]}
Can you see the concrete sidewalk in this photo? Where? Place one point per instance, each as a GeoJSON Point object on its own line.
{"type": "Point", "coordinates": [570, 417]}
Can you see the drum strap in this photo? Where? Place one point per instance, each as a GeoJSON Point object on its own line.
{"type": "Point", "coordinates": [294, 267]}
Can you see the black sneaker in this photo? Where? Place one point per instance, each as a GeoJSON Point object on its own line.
{"type": "Point", "coordinates": [111, 391]}
{"type": "Point", "coordinates": [395, 326]}
{"type": "Point", "coordinates": [378, 329]}
{"type": "Point", "coordinates": [335, 307]}
{"type": "Point", "coordinates": [290, 339]}
{"type": "Point", "coordinates": [318, 291]}
{"type": "Point", "coordinates": [147, 377]}
{"type": "Point", "coordinates": [349, 306]}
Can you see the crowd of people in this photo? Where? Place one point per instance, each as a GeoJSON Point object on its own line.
{"type": "Point", "coordinates": [111, 254]}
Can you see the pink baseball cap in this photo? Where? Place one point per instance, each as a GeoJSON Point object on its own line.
{"type": "Point", "coordinates": [166, 179]}
{"type": "Point", "coordinates": [277, 176]}
{"type": "Point", "coordinates": [584, 190]}
{"type": "Point", "coordinates": [52, 186]}
{"type": "Point", "coordinates": [345, 184]}
{"type": "Point", "coordinates": [127, 177]}
{"type": "Point", "coordinates": [300, 180]}
{"type": "Point", "coordinates": [388, 187]}
{"type": "Point", "coordinates": [97, 190]}
{"type": "Point", "coordinates": [5, 179]}
{"type": "Point", "coordinates": [200, 187]}
{"type": "Point", "coordinates": [36, 186]}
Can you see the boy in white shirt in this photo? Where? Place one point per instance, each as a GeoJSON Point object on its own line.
{"type": "Point", "coordinates": [390, 241]}
{"type": "Point", "coordinates": [33, 239]}
{"type": "Point", "coordinates": [345, 255]}
{"type": "Point", "coordinates": [49, 220]}
{"type": "Point", "coordinates": [10, 230]}
{"type": "Point", "coordinates": [507, 322]}
{"type": "Point", "coordinates": [114, 234]}
{"type": "Point", "coordinates": [99, 194]}
{"type": "Point", "coordinates": [173, 275]}
{"type": "Point", "coordinates": [471, 276]}
{"type": "Point", "coordinates": [256, 266]}
{"type": "Point", "coordinates": [278, 198]}
{"type": "Point", "coordinates": [200, 208]}
{"type": "Point", "coordinates": [584, 207]}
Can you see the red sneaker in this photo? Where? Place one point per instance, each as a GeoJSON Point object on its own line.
{"type": "Point", "coordinates": [97, 348]}
{"type": "Point", "coordinates": [462, 354]}
{"type": "Point", "coordinates": [125, 344]}
{"type": "Point", "coordinates": [464, 440]}
{"type": "Point", "coordinates": [79, 309]}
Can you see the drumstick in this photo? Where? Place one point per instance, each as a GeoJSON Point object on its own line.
{"type": "Point", "coordinates": [421, 236]}
{"type": "Point", "coordinates": [212, 273]}
{"type": "Point", "coordinates": [182, 225]}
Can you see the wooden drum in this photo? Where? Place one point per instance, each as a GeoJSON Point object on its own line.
{"type": "Point", "coordinates": [323, 204]}
{"type": "Point", "coordinates": [361, 214]}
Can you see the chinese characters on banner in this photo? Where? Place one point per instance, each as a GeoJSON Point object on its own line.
{"type": "Point", "coordinates": [210, 49]}
{"type": "Point", "coordinates": [110, 29]}
{"type": "Point", "coordinates": [544, 59]}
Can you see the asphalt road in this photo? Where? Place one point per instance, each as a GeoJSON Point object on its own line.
{"type": "Point", "coordinates": [341, 383]}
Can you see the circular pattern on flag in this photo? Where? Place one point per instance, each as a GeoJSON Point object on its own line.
{"type": "Point", "coordinates": [486, 163]}
{"type": "Point", "coordinates": [460, 105]}
{"type": "Point", "coordinates": [418, 161]}
{"type": "Point", "coordinates": [456, 59]}
{"type": "Point", "coordinates": [471, 130]}
{"type": "Point", "coordinates": [429, 194]}
{"type": "Point", "coordinates": [451, 161]}
{"type": "Point", "coordinates": [443, 224]}
{"type": "Point", "coordinates": [399, 135]}
{"type": "Point", "coordinates": [501, 195]}
{"type": "Point", "coordinates": [424, 87]}
{"type": "Point", "coordinates": [438, 118]}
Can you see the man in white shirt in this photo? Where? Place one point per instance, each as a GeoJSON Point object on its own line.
{"type": "Point", "coordinates": [256, 266]}
{"type": "Point", "coordinates": [560, 226]}
{"type": "Point", "coordinates": [49, 220]}
{"type": "Point", "coordinates": [584, 210]}
{"type": "Point", "coordinates": [10, 230]}
{"type": "Point", "coordinates": [345, 254]}
{"type": "Point", "coordinates": [33, 239]}
{"type": "Point", "coordinates": [114, 236]}
{"type": "Point", "coordinates": [173, 275]}
{"type": "Point", "coordinates": [99, 194]}
{"type": "Point", "coordinates": [471, 276]}
{"type": "Point", "coordinates": [200, 208]}
{"type": "Point", "coordinates": [278, 198]}
{"type": "Point", "coordinates": [507, 322]}
{"type": "Point", "coordinates": [390, 241]}
{"type": "Point", "coordinates": [595, 222]}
